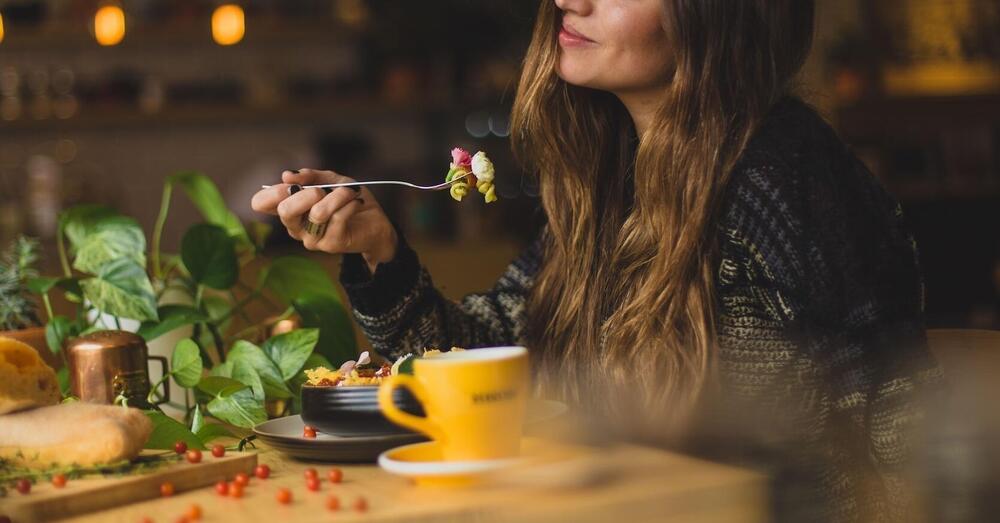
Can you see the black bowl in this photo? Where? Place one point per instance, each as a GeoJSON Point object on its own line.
{"type": "Point", "coordinates": [354, 411]}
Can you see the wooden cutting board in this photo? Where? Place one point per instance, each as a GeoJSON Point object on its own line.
{"type": "Point", "coordinates": [45, 502]}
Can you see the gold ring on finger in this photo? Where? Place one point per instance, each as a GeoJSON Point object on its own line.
{"type": "Point", "coordinates": [313, 228]}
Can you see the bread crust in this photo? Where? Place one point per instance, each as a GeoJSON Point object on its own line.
{"type": "Point", "coordinates": [73, 434]}
{"type": "Point", "coordinates": [25, 380]}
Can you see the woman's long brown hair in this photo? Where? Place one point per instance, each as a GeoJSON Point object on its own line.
{"type": "Point", "coordinates": [624, 300]}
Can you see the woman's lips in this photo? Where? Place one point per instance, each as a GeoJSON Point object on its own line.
{"type": "Point", "coordinates": [568, 37]}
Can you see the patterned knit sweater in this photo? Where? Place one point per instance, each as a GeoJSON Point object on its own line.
{"type": "Point", "coordinates": [820, 329]}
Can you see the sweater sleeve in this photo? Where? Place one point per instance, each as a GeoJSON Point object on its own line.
{"type": "Point", "coordinates": [400, 311]}
{"type": "Point", "coordinates": [841, 276]}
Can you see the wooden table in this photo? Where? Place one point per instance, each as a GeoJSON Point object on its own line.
{"type": "Point", "coordinates": [635, 484]}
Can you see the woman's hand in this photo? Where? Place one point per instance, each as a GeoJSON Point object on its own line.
{"type": "Point", "coordinates": [355, 223]}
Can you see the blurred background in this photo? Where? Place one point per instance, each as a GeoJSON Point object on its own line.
{"type": "Point", "coordinates": [100, 101]}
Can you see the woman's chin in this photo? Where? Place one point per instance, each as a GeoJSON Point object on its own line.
{"type": "Point", "coordinates": [575, 74]}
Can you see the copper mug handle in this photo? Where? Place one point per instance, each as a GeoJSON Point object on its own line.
{"type": "Point", "coordinates": [166, 383]}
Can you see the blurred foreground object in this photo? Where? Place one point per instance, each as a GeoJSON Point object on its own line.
{"type": "Point", "coordinates": [961, 468]}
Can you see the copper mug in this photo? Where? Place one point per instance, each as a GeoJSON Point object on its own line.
{"type": "Point", "coordinates": [106, 365]}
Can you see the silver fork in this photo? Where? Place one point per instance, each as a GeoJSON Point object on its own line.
{"type": "Point", "coordinates": [437, 187]}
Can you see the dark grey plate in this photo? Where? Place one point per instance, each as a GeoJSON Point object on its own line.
{"type": "Point", "coordinates": [354, 411]}
{"type": "Point", "coordinates": [285, 434]}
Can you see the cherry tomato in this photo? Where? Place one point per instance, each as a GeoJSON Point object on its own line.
{"type": "Point", "coordinates": [262, 471]}
{"type": "Point", "coordinates": [23, 486]}
{"type": "Point", "coordinates": [166, 489]}
{"type": "Point", "coordinates": [222, 488]}
{"type": "Point", "coordinates": [59, 480]}
{"type": "Point", "coordinates": [180, 447]}
{"type": "Point", "coordinates": [361, 504]}
{"type": "Point", "coordinates": [312, 484]}
{"type": "Point", "coordinates": [236, 490]}
{"type": "Point", "coordinates": [284, 496]}
{"type": "Point", "coordinates": [335, 475]}
{"type": "Point", "coordinates": [333, 503]}
{"type": "Point", "coordinates": [242, 479]}
{"type": "Point", "coordinates": [194, 456]}
{"type": "Point", "coordinates": [308, 432]}
{"type": "Point", "coordinates": [311, 473]}
{"type": "Point", "coordinates": [194, 512]}
{"type": "Point", "coordinates": [218, 451]}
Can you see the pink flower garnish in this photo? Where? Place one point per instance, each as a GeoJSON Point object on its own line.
{"type": "Point", "coordinates": [461, 157]}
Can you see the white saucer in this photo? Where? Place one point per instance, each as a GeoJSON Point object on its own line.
{"type": "Point", "coordinates": [425, 465]}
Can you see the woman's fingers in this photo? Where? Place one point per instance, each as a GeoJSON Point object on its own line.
{"type": "Point", "coordinates": [313, 176]}
{"type": "Point", "coordinates": [339, 238]}
{"type": "Point", "coordinates": [266, 200]}
{"type": "Point", "coordinates": [293, 208]}
{"type": "Point", "coordinates": [323, 212]}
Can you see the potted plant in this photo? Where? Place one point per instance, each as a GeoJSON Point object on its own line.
{"type": "Point", "coordinates": [224, 361]}
{"type": "Point", "coordinates": [19, 317]}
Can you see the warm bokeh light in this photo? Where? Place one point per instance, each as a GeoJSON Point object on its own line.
{"type": "Point", "coordinates": [1, 27]}
{"type": "Point", "coordinates": [109, 25]}
{"type": "Point", "coordinates": [228, 26]}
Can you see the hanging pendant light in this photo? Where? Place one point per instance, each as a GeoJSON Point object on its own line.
{"type": "Point", "coordinates": [228, 24]}
{"type": "Point", "coordinates": [109, 25]}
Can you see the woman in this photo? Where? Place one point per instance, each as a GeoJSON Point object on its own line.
{"type": "Point", "coordinates": [711, 249]}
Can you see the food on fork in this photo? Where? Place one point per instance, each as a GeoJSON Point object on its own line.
{"type": "Point", "coordinates": [471, 171]}
{"type": "Point", "coordinates": [25, 380]}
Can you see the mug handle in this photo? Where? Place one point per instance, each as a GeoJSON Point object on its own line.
{"type": "Point", "coordinates": [398, 416]}
{"type": "Point", "coordinates": [166, 383]}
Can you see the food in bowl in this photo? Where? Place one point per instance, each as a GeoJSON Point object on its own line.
{"type": "Point", "coordinates": [344, 402]}
{"type": "Point", "coordinates": [362, 372]}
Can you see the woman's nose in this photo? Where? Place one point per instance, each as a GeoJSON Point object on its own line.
{"type": "Point", "coordinates": [577, 7]}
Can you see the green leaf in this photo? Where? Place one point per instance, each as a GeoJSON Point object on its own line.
{"type": "Point", "coordinates": [406, 367]}
{"type": "Point", "coordinates": [224, 369]}
{"type": "Point", "coordinates": [213, 431]}
{"type": "Point", "coordinates": [44, 285]}
{"type": "Point", "coordinates": [57, 331]}
{"type": "Point", "coordinates": [290, 277]}
{"type": "Point", "coordinates": [186, 363]}
{"type": "Point", "coordinates": [206, 197]}
{"type": "Point", "coordinates": [122, 288]}
{"type": "Point", "coordinates": [167, 431]}
{"type": "Point", "coordinates": [219, 386]}
{"type": "Point", "coordinates": [259, 233]}
{"type": "Point", "coordinates": [109, 239]}
{"type": "Point", "coordinates": [62, 376]}
{"type": "Point", "coordinates": [291, 350]}
{"type": "Point", "coordinates": [171, 317]}
{"type": "Point", "coordinates": [92, 329]}
{"type": "Point", "coordinates": [270, 376]}
{"type": "Point", "coordinates": [197, 420]}
{"type": "Point", "coordinates": [80, 221]}
{"type": "Point", "coordinates": [209, 254]}
{"type": "Point", "coordinates": [241, 409]}
{"type": "Point", "coordinates": [245, 373]}
{"type": "Point", "coordinates": [336, 331]}
{"type": "Point", "coordinates": [41, 285]}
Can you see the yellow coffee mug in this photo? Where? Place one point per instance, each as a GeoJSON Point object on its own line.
{"type": "Point", "coordinates": [475, 401]}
